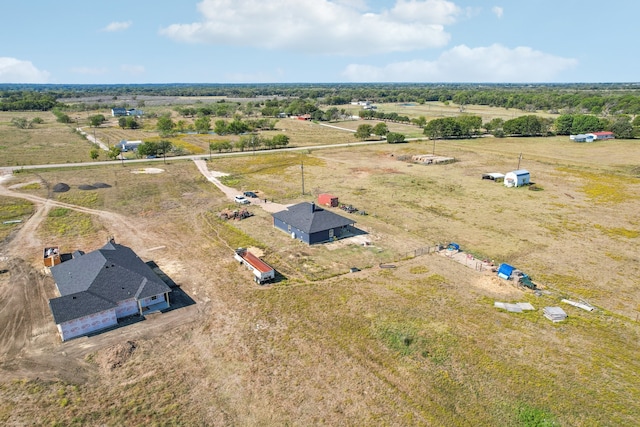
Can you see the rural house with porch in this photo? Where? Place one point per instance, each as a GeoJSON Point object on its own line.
{"type": "Point", "coordinates": [100, 287]}
{"type": "Point", "coordinates": [312, 224]}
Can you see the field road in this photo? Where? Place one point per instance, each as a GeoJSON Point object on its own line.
{"type": "Point", "coordinates": [93, 139]}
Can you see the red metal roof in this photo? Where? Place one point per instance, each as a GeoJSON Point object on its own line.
{"type": "Point", "coordinates": [256, 262]}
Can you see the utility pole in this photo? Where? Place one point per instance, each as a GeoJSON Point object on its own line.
{"type": "Point", "coordinates": [302, 173]}
{"type": "Point", "coordinates": [519, 158]}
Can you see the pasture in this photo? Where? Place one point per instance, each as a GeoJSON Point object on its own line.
{"type": "Point", "coordinates": [418, 344]}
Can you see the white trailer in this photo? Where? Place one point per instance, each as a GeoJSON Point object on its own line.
{"type": "Point", "coordinates": [262, 271]}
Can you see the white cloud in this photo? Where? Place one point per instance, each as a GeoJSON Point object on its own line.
{"type": "Point", "coordinates": [14, 70]}
{"type": "Point", "coordinates": [89, 70]}
{"type": "Point", "coordinates": [320, 26]}
{"type": "Point", "coordinates": [117, 26]}
{"type": "Point", "coordinates": [492, 64]}
{"type": "Point", "coordinates": [132, 69]}
{"type": "Point", "coordinates": [498, 11]}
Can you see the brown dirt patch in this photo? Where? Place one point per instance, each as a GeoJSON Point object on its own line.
{"type": "Point", "coordinates": [114, 357]}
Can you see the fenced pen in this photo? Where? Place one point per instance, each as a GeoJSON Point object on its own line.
{"type": "Point", "coordinates": [425, 250]}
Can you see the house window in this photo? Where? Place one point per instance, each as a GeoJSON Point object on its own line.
{"type": "Point", "coordinates": [154, 297]}
{"type": "Point", "coordinates": [331, 233]}
{"type": "Point", "coordinates": [289, 228]}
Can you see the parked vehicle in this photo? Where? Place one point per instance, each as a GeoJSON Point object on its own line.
{"type": "Point", "coordinates": [262, 271]}
{"type": "Point", "coordinates": [250, 194]}
{"type": "Point", "coordinates": [241, 199]}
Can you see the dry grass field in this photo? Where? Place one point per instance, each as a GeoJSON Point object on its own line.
{"type": "Point", "coordinates": [418, 344]}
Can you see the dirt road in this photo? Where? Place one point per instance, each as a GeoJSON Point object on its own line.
{"type": "Point", "coordinates": [213, 176]}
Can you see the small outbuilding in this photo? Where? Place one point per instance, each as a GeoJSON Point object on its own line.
{"type": "Point", "coordinates": [329, 200]}
{"type": "Point", "coordinates": [311, 224]}
{"type": "Point", "coordinates": [517, 178]}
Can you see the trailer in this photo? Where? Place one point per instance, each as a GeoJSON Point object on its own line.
{"type": "Point", "coordinates": [262, 271]}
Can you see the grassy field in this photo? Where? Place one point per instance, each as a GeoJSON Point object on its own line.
{"type": "Point", "coordinates": [418, 344]}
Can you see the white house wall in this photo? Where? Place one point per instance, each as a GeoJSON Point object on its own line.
{"type": "Point", "coordinates": [126, 308]}
{"type": "Point", "coordinates": [87, 324]}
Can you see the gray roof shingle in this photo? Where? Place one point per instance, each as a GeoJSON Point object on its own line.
{"type": "Point", "coordinates": [310, 218]}
{"type": "Point", "coordinates": [111, 274]}
{"type": "Point", "coordinates": [77, 305]}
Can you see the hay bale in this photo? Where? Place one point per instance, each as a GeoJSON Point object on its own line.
{"type": "Point", "coordinates": [61, 187]}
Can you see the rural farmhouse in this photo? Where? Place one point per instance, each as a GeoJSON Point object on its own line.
{"type": "Point", "coordinates": [312, 224]}
{"type": "Point", "coordinates": [100, 287]}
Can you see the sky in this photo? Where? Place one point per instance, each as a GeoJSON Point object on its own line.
{"type": "Point", "coordinates": [319, 41]}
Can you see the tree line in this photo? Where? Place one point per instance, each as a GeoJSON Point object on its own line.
{"type": "Point", "coordinates": [599, 99]}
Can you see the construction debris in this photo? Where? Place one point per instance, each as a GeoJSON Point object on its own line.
{"type": "Point", "coordinates": [518, 307]}
{"type": "Point", "coordinates": [555, 314]}
{"type": "Point", "coordinates": [235, 214]}
{"type": "Point", "coordinates": [583, 305]}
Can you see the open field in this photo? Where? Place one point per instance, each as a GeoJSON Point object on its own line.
{"type": "Point", "coordinates": [418, 344]}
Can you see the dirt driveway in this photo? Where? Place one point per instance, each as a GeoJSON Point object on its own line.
{"type": "Point", "coordinates": [213, 176]}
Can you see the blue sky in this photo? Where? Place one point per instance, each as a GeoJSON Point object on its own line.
{"type": "Point", "coordinates": [318, 41]}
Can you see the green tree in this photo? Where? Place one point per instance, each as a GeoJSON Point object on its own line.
{"type": "Point", "coordinates": [622, 128]}
{"type": "Point", "coordinates": [114, 152]}
{"type": "Point", "coordinates": [469, 124]}
{"type": "Point", "coordinates": [237, 126]}
{"type": "Point", "coordinates": [585, 123]}
{"type": "Point", "coordinates": [443, 128]}
{"type": "Point", "coordinates": [96, 120]}
{"type": "Point", "coordinates": [380, 129]}
{"type": "Point", "coordinates": [165, 125]}
{"type": "Point", "coordinates": [203, 124]}
{"type": "Point", "coordinates": [563, 124]}
{"type": "Point", "coordinates": [394, 137]}
{"type": "Point", "coordinates": [219, 146]}
{"type": "Point", "coordinates": [420, 121]}
{"type": "Point", "coordinates": [148, 148]}
{"type": "Point", "coordinates": [363, 132]}
{"type": "Point", "coordinates": [164, 147]}
{"type": "Point", "coordinates": [94, 154]}
{"type": "Point", "coordinates": [280, 140]}
{"type": "Point", "coordinates": [220, 127]}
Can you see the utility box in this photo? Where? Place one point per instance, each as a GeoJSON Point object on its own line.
{"type": "Point", "coordinates": [329, 200]}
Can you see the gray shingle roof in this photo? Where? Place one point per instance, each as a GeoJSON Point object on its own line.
{"type": "Point", "coordinates": [111, 274]}
{"type": "Point", "coordinates": [310, 218]}
{"type": "Point", "coordinates": [77, 305]}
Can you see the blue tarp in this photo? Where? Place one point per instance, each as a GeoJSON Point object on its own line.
{"type": "Point", "coordinates": [454, 247]}
{"type": "Point", "coordinates": [505, 271]}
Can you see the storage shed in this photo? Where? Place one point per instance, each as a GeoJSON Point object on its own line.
{"type": "Point", "coordinates": [329, 200]}
{"type": "Point", "coordinates": [517, 178]}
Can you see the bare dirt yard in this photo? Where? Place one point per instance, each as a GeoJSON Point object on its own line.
{"type": "Point", "coordinates": [417, 343]}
